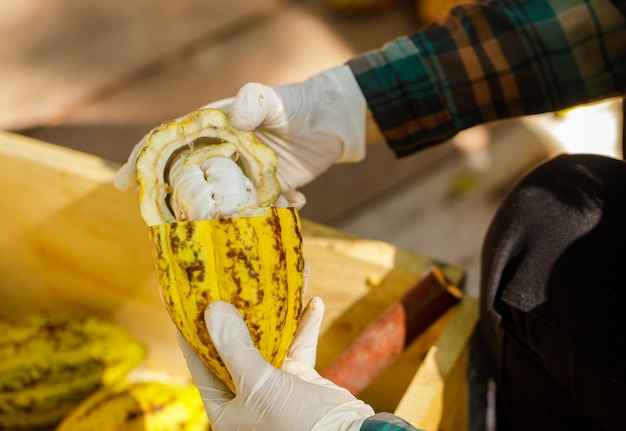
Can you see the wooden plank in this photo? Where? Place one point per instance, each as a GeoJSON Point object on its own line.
{"type": "Point", "coordinates": [71, 241]}
{"type": "Point", "coordinates": [437, 397]}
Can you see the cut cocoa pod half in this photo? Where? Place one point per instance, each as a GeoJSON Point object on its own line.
{"type": "Point", "coordinates": [190, 140]}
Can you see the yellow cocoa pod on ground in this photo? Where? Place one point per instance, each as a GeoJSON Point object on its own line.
{"type": "Point", "coordinates": [145, 406]}
{"type": "Point", "coordinates": [207, 192]}
{"type": "Point", "coordinates": [50, 362]}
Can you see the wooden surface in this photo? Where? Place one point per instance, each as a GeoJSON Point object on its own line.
{"type": "Point", "coordinates": [437, 397]}
{"type": "Point", "coordinates": [70, 240]}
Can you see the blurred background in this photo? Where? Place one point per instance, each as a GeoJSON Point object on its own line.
{"type": "Point", "coordinates": [96, 75]}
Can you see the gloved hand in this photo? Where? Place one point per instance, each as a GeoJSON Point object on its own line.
{"type": "Point", "coordinates": [310, 125]}
{"type": "Point", "coordinates": [296, 397]}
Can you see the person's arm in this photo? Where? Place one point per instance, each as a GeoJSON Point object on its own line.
{"type": "Point", "coordinates": [481, 62]}
{"type": "Point", "coordinates": [485, 61]}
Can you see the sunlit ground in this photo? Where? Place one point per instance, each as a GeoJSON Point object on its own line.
{"type": "Point", "coordinates": [595, 128]}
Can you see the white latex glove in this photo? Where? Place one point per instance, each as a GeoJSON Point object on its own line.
{"type": "Point", "coordinates": [310, 125]}
{"type": "Point", "coordinates": [269, 399]}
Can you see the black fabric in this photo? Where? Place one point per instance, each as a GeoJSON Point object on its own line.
{"type": "Point", "coordinates": [553, 300]}
{"type": "Point", "coordinates": [621, 5]}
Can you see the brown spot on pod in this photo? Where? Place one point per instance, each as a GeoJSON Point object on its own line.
{"type": "Point", "coordinates": [260, 294]}
{"type": "Point", "coordinates": [195, 271]}
{"type": "Point", "coordinates": [175, 244]}
{"type": "Point", "coordinates": [256, 334]}
{"type": "Point", "coordinates": [190, 229]}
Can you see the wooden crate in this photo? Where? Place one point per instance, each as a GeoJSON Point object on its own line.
{"type": "Point", "coordinates": [71, 241]}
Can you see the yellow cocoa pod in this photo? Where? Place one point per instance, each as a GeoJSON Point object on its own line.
{"type": "Point", "coordinates": [255, 263]}
{"type": "Point", "coordinates": [50, 362]}
{"type": "Point", "coordinates": [143, 405]}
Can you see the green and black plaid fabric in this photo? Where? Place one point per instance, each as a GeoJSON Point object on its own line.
{"type": "Point", "coordinates": [386, 422]}
{"type": "Point", "coordinates": [491, 60]}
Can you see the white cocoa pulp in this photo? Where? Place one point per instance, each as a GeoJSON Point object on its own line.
{"type": "Point", "coordinates": [215, 188]}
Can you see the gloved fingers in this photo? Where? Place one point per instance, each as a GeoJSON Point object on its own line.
{"type": "Point", "coordinates": [126, 176]}
{"type": "Point", "coordinates": [231, 339]}
{"type": "Point", "coordinates": [290, 199]}
{"type": "Point", "coordinates": [304, 346]}
{"type": "Point", "coordinates": [254, 104]}
{"type": "Point", "coordinates": [295, 156]}
{"type": "Point", "coordinates": [301, 371]}
{"type": "Point", "coordinates": [212, 390]}
{"type": "Point", "coordinates": [294, 198]}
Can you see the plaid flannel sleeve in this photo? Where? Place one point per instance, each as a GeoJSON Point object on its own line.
{"type": "Point", "coordinates": [491, 60]}
{"type": "Point", "coordinates": [386, 422]}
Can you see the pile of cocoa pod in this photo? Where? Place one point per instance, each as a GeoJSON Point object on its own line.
{"type": "Point", "coordinates": [69, 371]}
